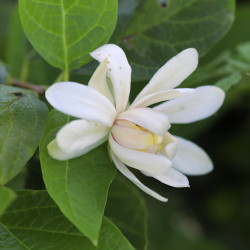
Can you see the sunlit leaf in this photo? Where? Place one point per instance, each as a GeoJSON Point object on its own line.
{"type": "Point", "coordinates": [64, 32]}
{"type": "Point", "coordinates": [78, 186]}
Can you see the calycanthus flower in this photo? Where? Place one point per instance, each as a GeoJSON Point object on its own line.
{"type": "Point", "coordinates": [138, 135]}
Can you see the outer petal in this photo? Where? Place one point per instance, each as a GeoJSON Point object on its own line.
{"type": "Point", "coordinates": [77, 138]}
{"type": "Point", "coordinates": [56, 153]}
{"type": "Point", "coordinates": [154, 121]}
{"type": "Point", "coordinates": [98, 81]}
{"type": "Point", "coordinates": [172, 178]}
{"type": "Point", "coordinates": [190, 159]}
{"type": "Point", "coordinates": [172, 73]}
{"type": "Point", "coordinates": [160, 97]}
{"type": "Point", "coordinates": [203, 103]}
{"type": "Point", "coordinates": [78, 135]}
{"type": "Point", "coordinates": [151, 163]}
{"type": "Point", "coordinates": [81, 101]}
{"type": "Point", "coordinates": [119, 72]}
{"type": "Point", "coordinates": [124, 170]}
{"type": "Point", "coordinates": [169, 146]}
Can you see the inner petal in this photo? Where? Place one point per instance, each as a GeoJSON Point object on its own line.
{"type": "Point", "coordinates": [133, 136]}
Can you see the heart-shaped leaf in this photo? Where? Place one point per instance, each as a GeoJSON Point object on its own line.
{"type": "Point", "coordinates": [64, 32]}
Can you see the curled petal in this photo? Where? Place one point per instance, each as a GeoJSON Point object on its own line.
{"type": "Point", "coordinates": [160, 97]}
{"type": "Point", "coordinates": [204, 102]}
{"type": "Point", "coordinates": [119, 71]}
{"type": "Point", "coordinates": [172, 73]}
{"type": "Point", "coordinates": [190, 159]}
{"type": "Point", "coordinates": [125, 171]}
{"type": "Point", "coordinates": [81, 101]}
{"type": "Point", "coordinates": [172, 177]}
{"type": "Point", "coordinates": [78, 135]}
{"type": "Point", "coordinates": [154, 121]}
{"type": "Point", "coordinates": [56, 153]}
{"type": "Point", "coordinates": [98, 81]}
{"type": "Point", "coordinates": [151, 163]}
{"type": "Point", "coordinates": [77, 138]}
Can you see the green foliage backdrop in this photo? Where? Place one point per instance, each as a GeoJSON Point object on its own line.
{"type": "Point", "coordinates": [83, 203]}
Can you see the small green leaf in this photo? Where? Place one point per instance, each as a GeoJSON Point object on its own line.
{"type": "Point", "coordinates": [157, 33]}
{"type": "Point", "coordinates": [227, 82]}
{"type": "Point", "coordinates": [126, 208]}
{"type": "Point", "coordinates": [22, 121]}
{"type": "Point", "coordinates": [6, 197]}
{"type": "Point", "coordinates": [64, 32]}
{"type": "Point", "coordinates": [33, 221]}
{"type": "Point", "coordinates": [78, 186]}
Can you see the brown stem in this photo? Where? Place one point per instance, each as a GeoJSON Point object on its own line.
{"type": "Point", "coordinates": [40, 89]}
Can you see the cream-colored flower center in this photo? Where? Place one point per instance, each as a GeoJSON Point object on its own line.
{"type": "Point", "coordinates": [133, 136]}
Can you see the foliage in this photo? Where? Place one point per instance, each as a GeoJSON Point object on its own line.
{"type": "Point", "coordinates": [86, 205]}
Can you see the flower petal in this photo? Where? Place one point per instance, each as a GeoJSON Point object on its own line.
{"type": "Point", "coordinates": [81, 101]}
{"type": "Point", "coordinates": [169, 146]}
{"type": "Point", "coordinates": [172, 178]}
{"type": "Point", "coordinates": [132, 138]}
{"type": "Point", "coordinates": [77, 138]}
{"type": "Point", "coordinates": [190, 159]}
{"type": "Point", "coordinates": [119, 72]}
{"type": "Point", "coordinates": [125, 171]}
{"type": "Point", "coordinates": [172, 73]}
{"type": "Point", "coordinates": [151, 163]}
{"type": "Point", "coordinates": [98, 81]}
{"type": "Point", "coordinates": [79, 135]}
{"type": "Point", "coordinates": [205, 101]}
{"type": "Point", "coordinates": [56, 153]}
{"type": "Point", "coordinates": [160, 97]}
{"type": "Point", "coordinates": [152, 120]}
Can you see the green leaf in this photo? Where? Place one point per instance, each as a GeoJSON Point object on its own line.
{"type": "Point", "coordinates": [126, 208]}
{"type": "Point", "coordinates": [17, 46]}
{"type": "Point", "coordinates": [227, 82]}
{"type": "Point", "coordinates": [3, 73]}
{"type": "Point", "coordinates": [5, 13]}
{"type": "Point", "coordinates": [225, 70]}
{"type": "Point", "coordinates": [6, 197]}
{"type": "Point", "coordinates": [33, 221]}
{"type": "Point", "coordinates": [78, 186]}
{"type": "Point", "coordinates": [125, 12]}
{"type": "Point", "coordinates": [155, 34]}
{"type": "Point", "coordinates": [22, 121]}
{"type": "Point", "coordinates": [64, 32]}
{"type": "Point", "coordinates": [24, 63]}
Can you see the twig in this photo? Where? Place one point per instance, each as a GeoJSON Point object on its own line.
{"type": "Point", "coordinates": [40, 89]}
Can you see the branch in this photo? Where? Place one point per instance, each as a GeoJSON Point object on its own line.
{"type": "Point", "coordinates": [39, 89]}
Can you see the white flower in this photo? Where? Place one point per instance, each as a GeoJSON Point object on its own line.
{"type": "Point", "coordinates": [138, 136]}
